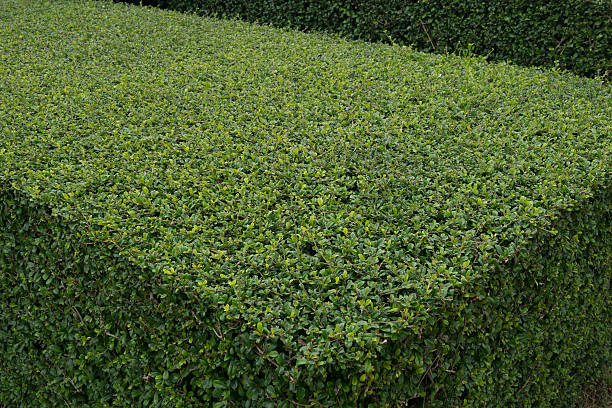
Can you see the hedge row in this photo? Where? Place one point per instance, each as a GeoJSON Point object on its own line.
{"type": "Point", "coordinates": [198, 213]}
{"type": "Point", "coordinates": [575, 35]}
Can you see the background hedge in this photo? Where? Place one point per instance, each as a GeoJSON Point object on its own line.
{"type": "Point", "coordinates": [198, 212]}
{"type": "Point", "coordinates": [574, 34]}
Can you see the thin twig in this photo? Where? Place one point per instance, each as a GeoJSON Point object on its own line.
{"type": "Point", "coordinates": [427, 33]}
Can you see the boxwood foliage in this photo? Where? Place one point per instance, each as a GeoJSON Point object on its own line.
{"type": "Point", "coordinates": [198, 213]}
{"type": "Point", "coordinates": [573, 34]}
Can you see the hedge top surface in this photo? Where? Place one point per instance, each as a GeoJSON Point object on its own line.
{"type": "Point", "coordinates": [306, 185]}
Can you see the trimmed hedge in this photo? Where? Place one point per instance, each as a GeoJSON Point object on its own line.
{"type": "Point", "coordinates": [198, 212]}
{"type": "Point", "coordinates": [575, 35]}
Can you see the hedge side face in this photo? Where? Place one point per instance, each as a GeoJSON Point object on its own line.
{"type": "Point", "coordinates": [575, 35]}
{"type": "Point", "coordinates": [198, 212]}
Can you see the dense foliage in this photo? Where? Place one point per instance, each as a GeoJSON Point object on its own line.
{"type": "Point", "coordinates": [574, 34]}
{"type": "Point", "coordinates": [198, 212]}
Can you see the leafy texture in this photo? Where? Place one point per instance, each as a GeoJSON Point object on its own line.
{"type": "Point", "coordinates": [198, 212]}
{"type": "Point", "coordinates": [574, 35]}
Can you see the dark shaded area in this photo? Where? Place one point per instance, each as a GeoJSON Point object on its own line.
{"type": "Point", "coordinates": [574, 35]}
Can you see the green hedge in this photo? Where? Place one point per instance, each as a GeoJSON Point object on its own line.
{"type": "Point", "coordinates": [575, 35]}
{"type": "Point", "coordinates": [198, 212]}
